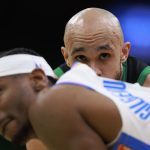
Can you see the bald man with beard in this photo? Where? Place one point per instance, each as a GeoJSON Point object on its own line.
{"type": "Point", "coordinates": [94, 36]}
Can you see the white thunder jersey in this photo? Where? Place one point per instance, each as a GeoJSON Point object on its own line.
{"type": "Point", "coordinates": [132, 101]}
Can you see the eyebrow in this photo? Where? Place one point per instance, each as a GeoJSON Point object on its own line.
{"type": "Point", "coordinates": [81, 49]}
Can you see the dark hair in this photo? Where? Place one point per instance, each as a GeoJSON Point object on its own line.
{"type": "Point", "coordinates": [19, 51]}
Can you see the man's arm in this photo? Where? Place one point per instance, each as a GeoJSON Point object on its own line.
{"type": "Point", "coordinates": [74, 118]}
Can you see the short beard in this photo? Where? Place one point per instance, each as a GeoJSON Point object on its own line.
{"type": "Point", "coordinates": [118, 75]}
{"type": "Point", "coordinates": [22, 136]}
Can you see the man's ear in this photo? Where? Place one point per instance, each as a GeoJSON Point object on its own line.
{"type": "Point", "coordinates": [65, 54]}
{"type": "Point", "coordinates": [125, 51]}
{"type": "Point", "coordinates": [38, 80]}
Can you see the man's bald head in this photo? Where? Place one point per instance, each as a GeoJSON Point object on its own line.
{"type": "Point", "coordinates": [93, 36]}
{"type": "Point", "coordinates": [92, 21]}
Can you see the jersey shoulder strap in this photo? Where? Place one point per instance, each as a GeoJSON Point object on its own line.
{"type": "Point", "coordinates": [132, 70]}
{"type": "Point", "coordinates": [60, 70]}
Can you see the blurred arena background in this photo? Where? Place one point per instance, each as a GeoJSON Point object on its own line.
{"type": "Point", "coordinates": [39, 25]}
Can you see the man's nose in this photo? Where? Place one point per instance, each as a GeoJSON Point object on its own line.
{"type": "Point", "coordinates": [96, 69]}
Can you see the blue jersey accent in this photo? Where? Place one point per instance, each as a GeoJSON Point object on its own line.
{"type": "Point", "coordinates": [115, 85]}
{"type": "Point", "coordinates": [138, 105]}
{"type": "Point", "coordinates": [131, 143]}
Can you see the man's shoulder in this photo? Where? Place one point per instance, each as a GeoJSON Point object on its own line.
{"type": "Point", "coordinates": [135, 68]}
{"type": "Point", "coordinates": [60, 70]}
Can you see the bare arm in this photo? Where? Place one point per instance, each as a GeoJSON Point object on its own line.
{"type": "Point", "coordinates": [74, 118]}
{"type": "Point", "coordinates": [147, 81]}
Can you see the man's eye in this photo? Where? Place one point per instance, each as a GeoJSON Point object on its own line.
{"type": "Point", "coordinates": [81, 58]}
{"type": "Point", "coordinates": [104, 56]}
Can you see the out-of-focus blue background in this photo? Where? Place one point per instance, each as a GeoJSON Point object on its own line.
{"type": "Point", "coordinates": [135, 22]}
{"type": "Point", "coordinates": [40, 24]}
